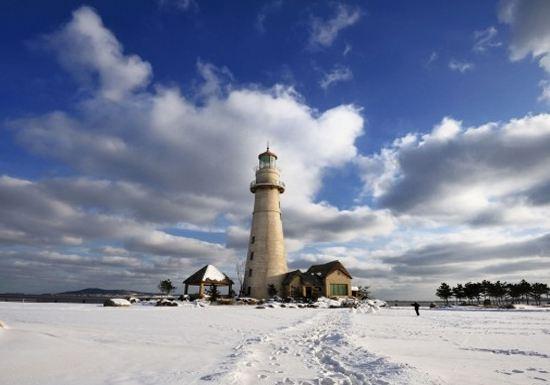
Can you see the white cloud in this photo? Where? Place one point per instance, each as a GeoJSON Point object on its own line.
{"type": "Point", "coordinates": [486, 39]}
{"type": "Point", "coordinates": [530, 32]}
{"type": "Point", "coordinates": [460, 66]}
{"type": "Point", "coordinates": [347, 49]}
{"type": "Point", "coordinates": [214, 78]}
{"type": "Point", "coordinates": [432, 58]}
{"type": "Point", "coordinates": [545, 95]}
{"type": "Point", "coordinates": [86, 48]}
{"type": "Point", "coordinates": [324, 32]}
{"type": "Point", "coordinates": [336, 75]}
{"type": "Point", "coordinates": [528, 21]}
{"type": "Point", "coordinates": [457, 175]}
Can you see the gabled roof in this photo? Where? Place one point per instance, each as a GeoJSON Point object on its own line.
{"type": "Point", "coordinates": [327, 268]}
{"type": "Point", "coordinates": [312, 279]}
{"type": "Point", "coordinates": [209, 275]}
{"type": "Point", "coordinates": [290, 276]}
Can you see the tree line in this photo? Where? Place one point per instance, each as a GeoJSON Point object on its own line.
{"type": "Point", "coordinates": [498, 292]}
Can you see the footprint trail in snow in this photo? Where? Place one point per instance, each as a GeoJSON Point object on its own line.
{"type": "Point", "coordinates": [317, 351]}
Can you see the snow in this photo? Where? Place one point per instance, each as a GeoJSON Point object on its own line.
{"type": "Point", "coordinates": [213, 274]}
{"type": "Point", "coordinates": [91, 344]}
{"type": "Point", "coordinates": [117, 302]}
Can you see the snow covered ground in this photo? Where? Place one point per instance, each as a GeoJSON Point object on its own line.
{"type": "Point", "coordinates": [89, 344]}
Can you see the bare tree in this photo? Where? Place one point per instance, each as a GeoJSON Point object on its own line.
{"type": "Point", "coordinates": [239, 269]}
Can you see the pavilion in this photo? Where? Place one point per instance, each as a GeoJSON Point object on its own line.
{"type": "Point", "coordinates": [209, 275]}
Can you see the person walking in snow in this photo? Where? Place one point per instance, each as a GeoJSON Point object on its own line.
{"type": "Point", "coordinates": [416, 307]}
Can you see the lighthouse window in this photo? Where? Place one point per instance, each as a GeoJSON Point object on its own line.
{"type": "Point", "coordinates": [253, 239]}
{"type": "Point", "coordinates": [248, 290]}
{"type": "Point", "coordinates": [267, 161]}
{"type": "Point", "coordinates": [250, 272]}
{"type": "Point", "coordinates": [251, 255]}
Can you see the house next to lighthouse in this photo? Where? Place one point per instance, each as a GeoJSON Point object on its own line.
{"type": "Point", "coordinates": [266, 271]}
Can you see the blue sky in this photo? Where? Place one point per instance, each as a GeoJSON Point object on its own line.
{"type": "Point", "coordinates": [405, 130]}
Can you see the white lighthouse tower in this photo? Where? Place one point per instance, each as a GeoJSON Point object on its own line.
{"type": "Point", "coordinates": [266, 259]}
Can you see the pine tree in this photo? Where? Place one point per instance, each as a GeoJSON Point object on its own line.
{"type": "Point", "coordinates": [444, 292]}
{"type": "Point", "coordinates": [538, 290]}
{"type": "Point", "coordinates": [214, 293]}
{"type": "Point", "coordinates": [514, 291]}
{"type": "Point", "coordinates": [525, 290]}
{"type": "Point", "coordinates": [458, 292]}
{"type": "Point", "coordinates": [166, 286]}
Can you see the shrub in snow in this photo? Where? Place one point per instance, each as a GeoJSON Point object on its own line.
{"type": "Point", "coordinates": [117, 302]}
{"type": "Point", "coordinates": [133, 299]}
{"type": "Point", "coordinates": [380, 303]}
{"type": "Point", "coordinates": [325, 303]}
{"type": "Point", "coordinates": [166, 302]}
{"type": "Point", "coordinates": [247, 301]}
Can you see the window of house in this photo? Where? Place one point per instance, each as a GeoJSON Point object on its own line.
{"type": "Point", "coordinates": [250, 272]}
{"type": "Point", "coordinates": [251, 255]}
{"type": "Point", "coordinates": [253, 239]}
{"type": "Point", "coordinates": [338, 289]}
{"type": "Point", "coordinates": [248, 290]}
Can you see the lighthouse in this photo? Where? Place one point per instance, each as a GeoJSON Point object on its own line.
{"type": "Point", "coordinates": [266, 260]}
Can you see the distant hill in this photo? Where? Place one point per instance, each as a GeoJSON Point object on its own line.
{"type": "Point", "coordinates": [103, 292]}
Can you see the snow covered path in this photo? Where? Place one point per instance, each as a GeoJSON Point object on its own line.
{"type": "Point", "coordinates": [88, 344]}
{"type": "Point", "coordinates": [319, 350]}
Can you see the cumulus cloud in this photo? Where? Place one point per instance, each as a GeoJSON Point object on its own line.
{"type": "Point", "coordinates": [530, 33]}
{"type": "Point", "coordinates": [528, 21]}
{"type": "Point", "coordinates": [336, 75]}
{"type": "Point", "coordinates": [89, 50]}
{"type": "Point", "coordinates": [487, 175]}
{"type": "Point", "coordinates": [460, 66]}
{"type": "Point", "coordinates": [215, 80]}
{"type": "Point", "coordinates": [316, 223]}
{"type": "Point", "coordinates": [33, 214]}
{"type": "Point", "coordinates": [324, 32]}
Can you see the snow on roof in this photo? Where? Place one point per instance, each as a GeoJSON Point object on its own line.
{"type": "Point", "coordinates": [212, 273]}
{"type": "Point", "coordinates": [208, 273]}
